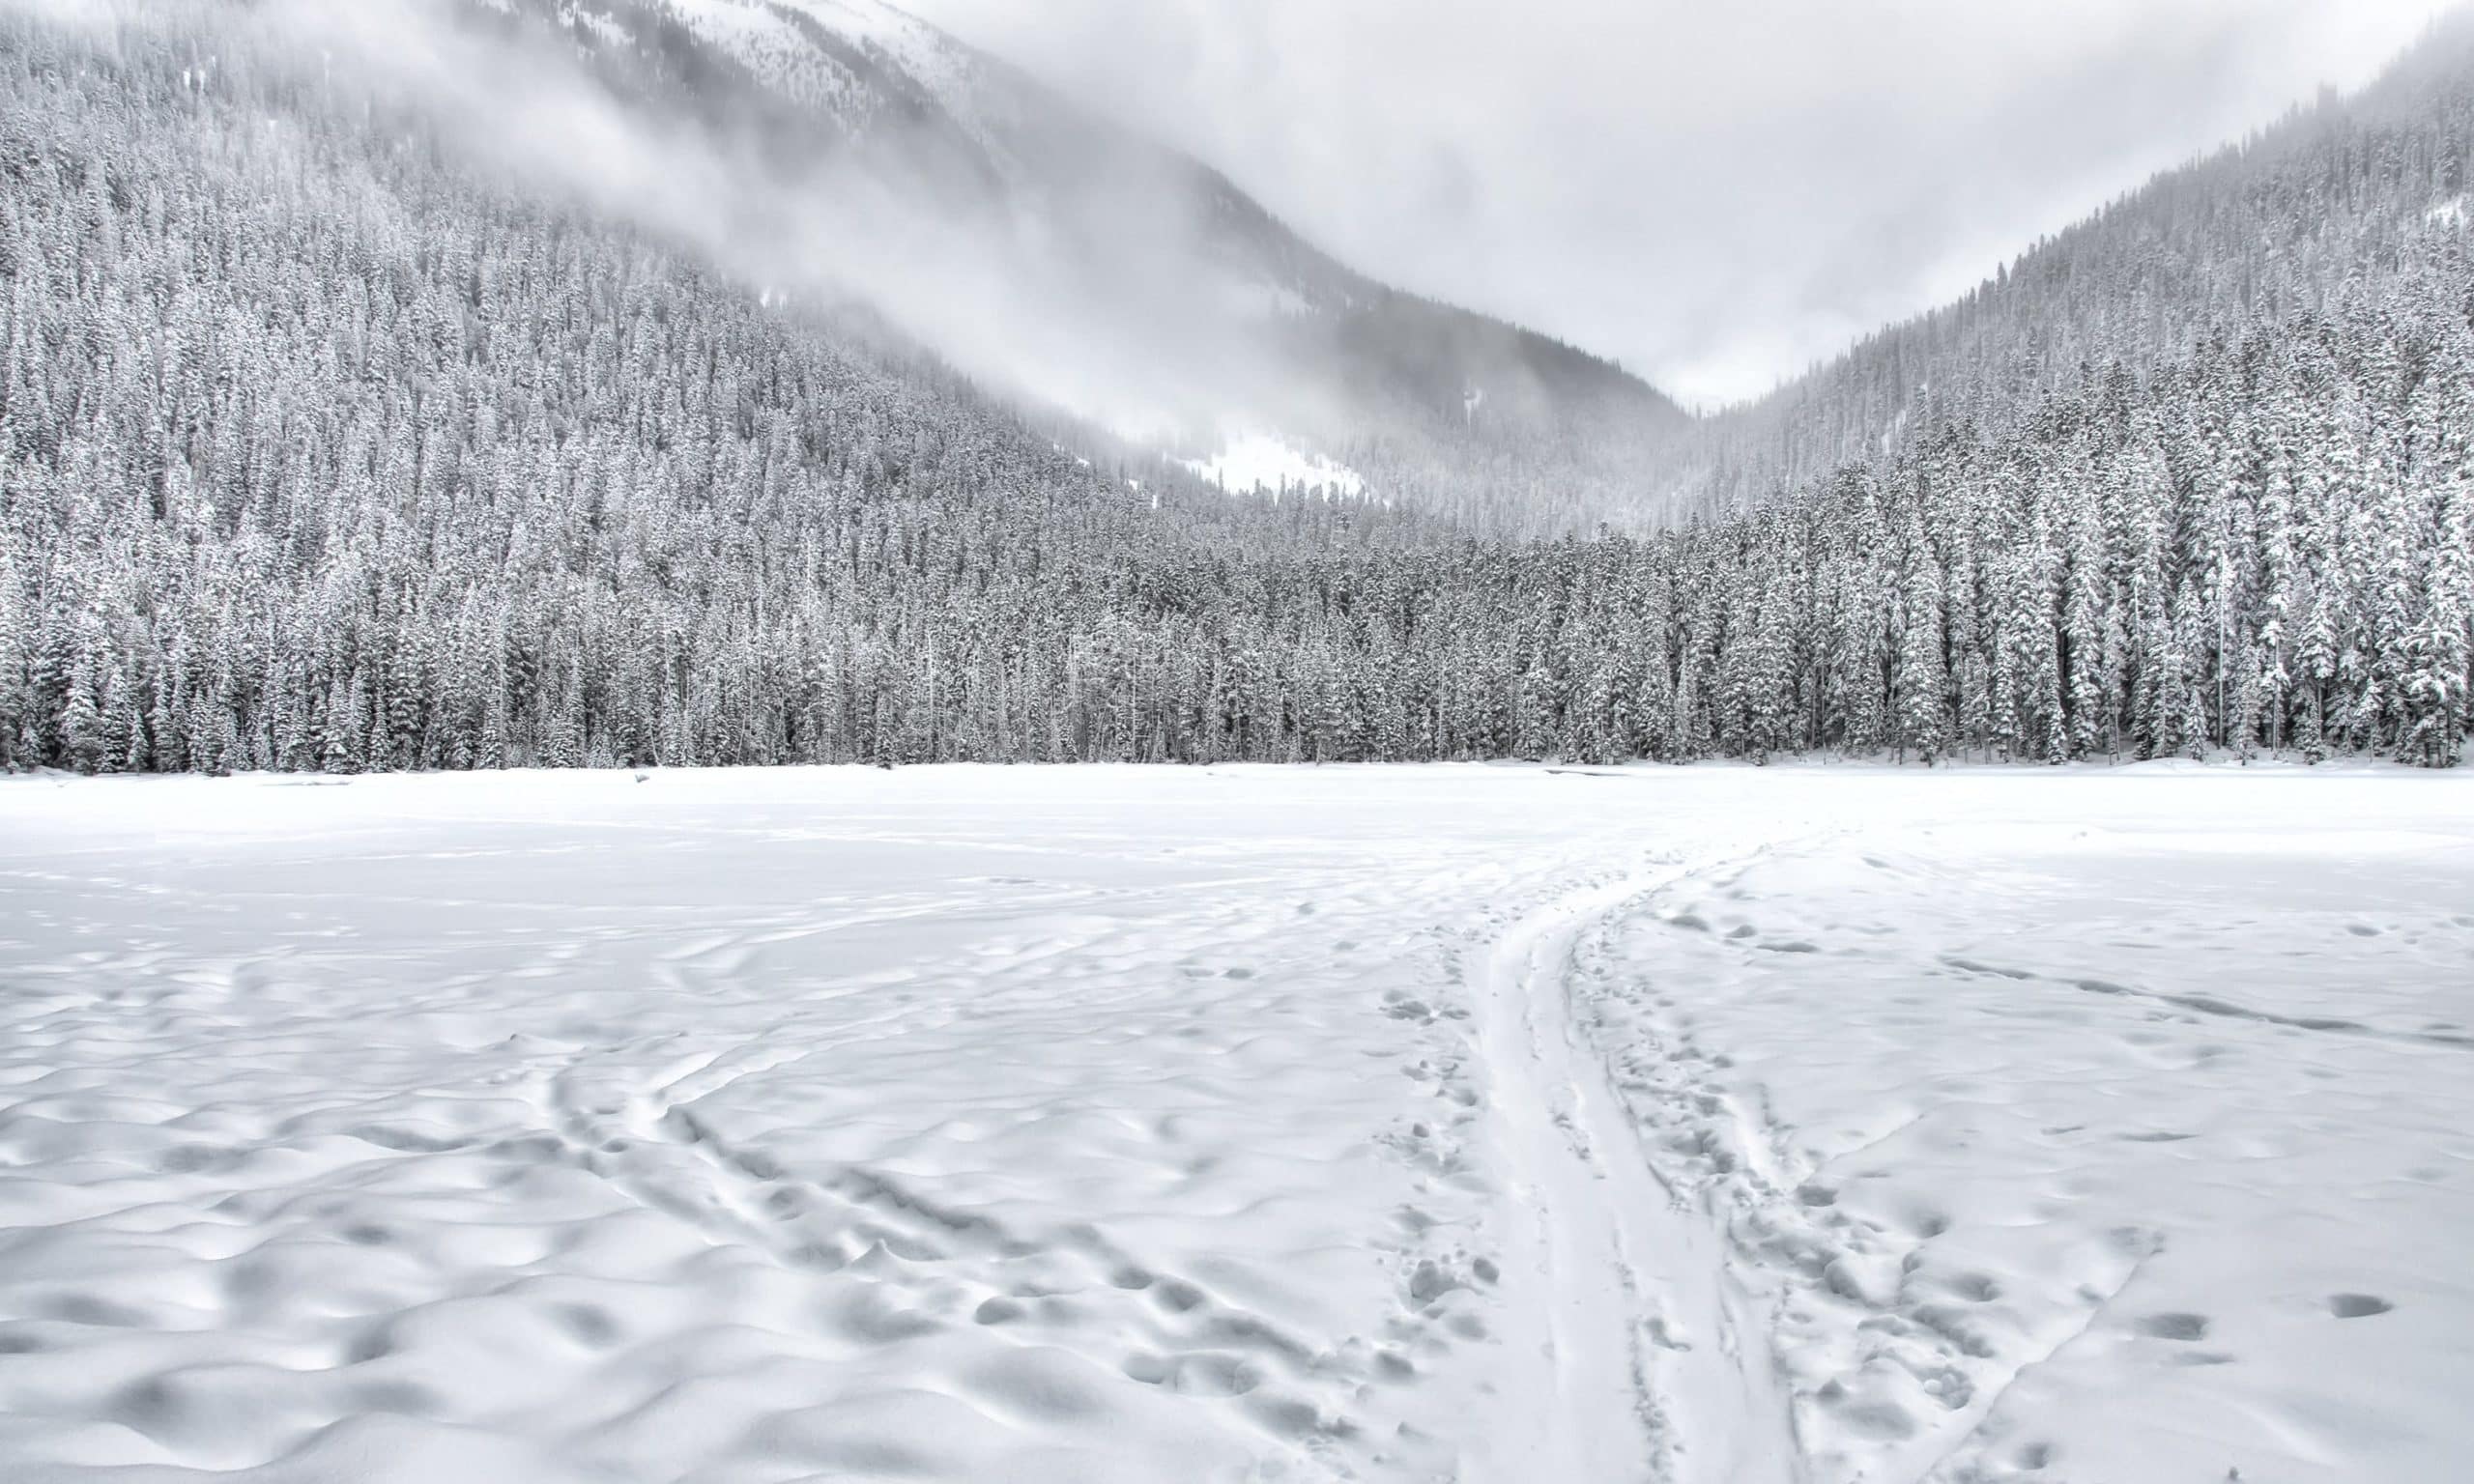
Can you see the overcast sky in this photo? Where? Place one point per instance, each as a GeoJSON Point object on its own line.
{"type": "Point", "coordinates": [1715, 192]}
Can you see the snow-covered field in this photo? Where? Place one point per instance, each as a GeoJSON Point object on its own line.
{"type": "Point", "coordinates": [1498, 1124]}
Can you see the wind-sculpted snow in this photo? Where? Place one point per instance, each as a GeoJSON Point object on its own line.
{"type": "Point", "coordinates": [1483, 1123]}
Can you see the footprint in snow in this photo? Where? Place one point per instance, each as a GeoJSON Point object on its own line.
{"type": "Point", "coordinates": [2172, 1327]}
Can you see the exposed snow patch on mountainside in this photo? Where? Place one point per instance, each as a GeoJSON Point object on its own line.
{"type": "Point", "coordinates": [1259, 460]}
{"type": "Point", "coordinates": [870, 65]}
{"type": "Point", "coordinates": [761, 37]}
{"type": "Point", "coordinates": [601, 26]}
{"type": "Point", "coordinates": [928, 54]}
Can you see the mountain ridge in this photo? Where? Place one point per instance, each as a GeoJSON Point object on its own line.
{"type": "Point", "coordinates": [1323, 351]}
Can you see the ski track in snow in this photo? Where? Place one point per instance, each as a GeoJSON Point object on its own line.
{"type": "Point", "coordinates": [1476, 1123]}
{"type": "Point", "coordinates": [1619, 1271]}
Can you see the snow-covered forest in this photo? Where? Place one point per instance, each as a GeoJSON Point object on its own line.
{"type": "Point", "coordinates": [322, 449]}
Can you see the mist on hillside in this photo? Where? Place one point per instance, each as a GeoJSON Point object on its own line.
{"type": "Point", "coordinates": [1100, 299]}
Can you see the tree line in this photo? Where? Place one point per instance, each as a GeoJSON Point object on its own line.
{"type": "Point", "coordinates": [320, 450]}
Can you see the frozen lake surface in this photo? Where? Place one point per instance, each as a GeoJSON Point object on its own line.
{"type": "Point", "coordinates": [1492, 1123]}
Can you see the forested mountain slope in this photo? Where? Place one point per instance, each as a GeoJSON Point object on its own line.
{"type": "Point", "coordinates": [321, 448]}
{"type": "Point", "coordinates": [1128, 283]}
{"type": "Point", "coordinates": [2328, 204]}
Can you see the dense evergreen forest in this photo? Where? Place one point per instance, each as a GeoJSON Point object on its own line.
{"type": "Point", "coordinates": [322, 449]}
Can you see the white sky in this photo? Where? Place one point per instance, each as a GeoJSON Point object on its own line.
{"type": "Point", "coordinates": [1716, 192]}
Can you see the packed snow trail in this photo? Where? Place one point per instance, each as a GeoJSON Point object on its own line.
{"type": "Point", "coordinates": [1659, 1369]}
